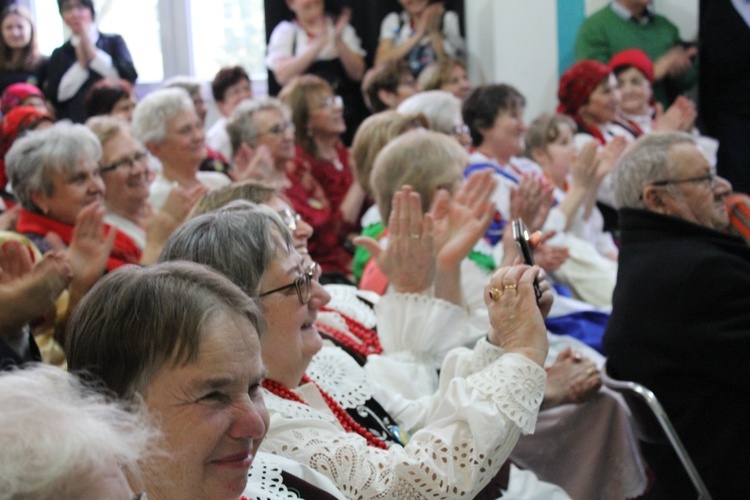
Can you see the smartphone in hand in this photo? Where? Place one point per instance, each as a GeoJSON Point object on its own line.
{"type": "Point", "coordinates": [521, 236]}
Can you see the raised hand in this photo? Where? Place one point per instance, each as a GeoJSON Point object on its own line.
{"type": "Point", "coordinates": [89, 248]}
{"type": "Point", "coordinates": [409, 259]}
{"type": "Point", "coordinates": [9, 218]}
{"type": "Point", "coordinates": [517, 323]}
{"type": "Point", "coordinates": [532, 201]}
{"type": "Point", "coordinates": [342, 21]}
{"type": "Point", "coordinates": [680, 116]}
{"type": "Point", "coordinates": [583, 170]}
{"type": "Point", "coordinates": [160, 225]}
{"type": "Point", "coordinates": [608, 156]}
{"type": "Point", "coordinates": [462, 219]}
{"type": "Point", "coordinates": [261, 166]}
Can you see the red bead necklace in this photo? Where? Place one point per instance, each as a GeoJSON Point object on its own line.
{"type": "Point", "coordinates": [346, 421]}
{"type": "Point", "coordinates": [370, 342]}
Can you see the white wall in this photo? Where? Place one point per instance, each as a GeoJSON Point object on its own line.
{"type": "Point", "coordinates": [515, 42]}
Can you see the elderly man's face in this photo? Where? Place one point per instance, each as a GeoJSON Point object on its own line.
{"type": "Point", "coordinates": [696, 201]}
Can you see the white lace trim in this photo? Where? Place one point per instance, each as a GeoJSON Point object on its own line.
{"type": "Point", "coordinates": [341, 377]}
{"type": "Point", "coordinates": [516, 388]}
{"type": "Point", "coordinates": [267, 481]}
{"type": "Point", "coordinates": [344, 298]}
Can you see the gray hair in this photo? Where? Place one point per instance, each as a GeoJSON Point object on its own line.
{"type": "Point", "coordinates": [238, 240]}
{"type": "Point", "coordinates": [34, 158]}
{"type": "Point", "coordinates": [154, 111]}
{"type": "Point", "coordinates": [189, 83]}
{"type": "Point", "coordinates": [107, 127]}
{"type": "Point", "coordinates": [136, 320]}
{"type": "Point", "coordinates": [57, 434]}
{"type": "Point", "coordinates": [242, 127]}
{"type": "Point", "coordinates": [645, 161]}
{"type": "Point", "coordinates": [443, 109]}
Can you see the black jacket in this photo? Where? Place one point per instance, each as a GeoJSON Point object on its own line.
{"type": "Point", "coordinates": [680, 325]}
{"type": "Point", "coordinates": [64, 57]}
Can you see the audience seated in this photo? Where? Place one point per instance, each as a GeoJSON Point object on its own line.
{"type": "Point", "coordinates": [62, 439]}
{"type": "Point", "coordinates": [86, 58]}
{"type": "Point", "coordinates": [230, 86]}
{"type": "Point", "coordinates": [680, 312]}
{"type": "Point", "coordinates": [192, 358]}
{"type": "Point", "coordinates": [435, 370]}
{"type": "Point", "coordinates": [287, 349]}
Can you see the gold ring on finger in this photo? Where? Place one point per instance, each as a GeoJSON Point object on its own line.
{"type": "Point", "coordinates": [495, 294]}
{"type": "Point", "coordinates": [511, 286]}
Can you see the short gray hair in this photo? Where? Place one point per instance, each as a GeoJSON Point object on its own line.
{"type": "Point", "coordinates": [189, 83]}
{"type": "Point", "coordinates": [645, 161]}
{"type": "Point", "coordinates": [58, 434]}
{"type": "Point", "coordinates": [136, 320]}
{"type": "Point", "coordinates": [237, 240]}
{"type": "Point", "coordinates": [242, 127]}
{"type": "Point", "coordinates": [443, 109]}
{"type": "Point", "coordinates": [154, 111]}
{"type": "Point", "coordinates": [34, 158]}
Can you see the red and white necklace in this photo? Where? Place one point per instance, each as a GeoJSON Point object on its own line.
{"type": "Point", "coordinates": [346, 421]}
{"type": "Point", "coordinates": [370, 342]}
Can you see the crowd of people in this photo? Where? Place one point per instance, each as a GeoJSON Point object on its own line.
{"type": "Point", "coordinates": [320, 296]}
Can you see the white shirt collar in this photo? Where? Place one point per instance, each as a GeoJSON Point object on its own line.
{"type": "Point", "coordinates": [93, 35]}
{"type": "Point", "coordinates": [625, 14]}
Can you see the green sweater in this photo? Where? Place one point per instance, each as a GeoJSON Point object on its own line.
{"type": "Point", "coordinates": [604, 33]}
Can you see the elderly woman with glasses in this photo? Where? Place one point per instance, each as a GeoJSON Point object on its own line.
{"type": "Point", "coordinates": [321, 176]}
{"type": "Point", "coordinates": [333, 417]}
{"type": "Point", "coordinates": [184, 342]}
{"type": "Point", "coordinates": [126, 178]}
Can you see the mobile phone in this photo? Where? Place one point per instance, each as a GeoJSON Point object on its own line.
{"type": "Point", "coordinates": [521, 236]}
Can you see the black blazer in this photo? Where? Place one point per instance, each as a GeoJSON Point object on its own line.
{"type": "Point", "coordinates": [64, 57]}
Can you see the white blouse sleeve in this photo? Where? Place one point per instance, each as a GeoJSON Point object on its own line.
{"type": "Point", "coordinates": [350, 38]}
{"type": "Point", "coordinates": [281, 43]}
{"type": "Point", "coordinates": [389, 28]}
{"type": "Point", "coordinates": [471, 432]}
{"type": "Point", "coordinates": [454, 44]}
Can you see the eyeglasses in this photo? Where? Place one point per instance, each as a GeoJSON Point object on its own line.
{"type": "Point", "coordinates": [279, 129]}
{"type": "Point", "coordinates": [290, 218]}
{"type": "Point", "coordinates": [710, 178]}
{"type": "Point", "coordinates": [302, 283]}
{"type": "Point", "coordinates": [125, 162]}
{"type": "Point", "coordinates": [332, 101]}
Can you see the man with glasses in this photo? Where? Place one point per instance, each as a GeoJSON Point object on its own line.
{"type": "Point", "coordinates": [680, 323]}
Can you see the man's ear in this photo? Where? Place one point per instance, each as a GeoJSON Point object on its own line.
{"type": "Point", "coordinates": [387, 98]}
{"type": "Point", "coordinates": [653, 198]}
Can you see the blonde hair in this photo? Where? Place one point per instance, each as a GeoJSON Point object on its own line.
{"type": "Point", "coordinates": [439, 73]}
{"type": "Point", "coordinates": [373, 135]}
{"type": "Point", "coordinates": [423, 159]}
{"type": "Point", "coordinates": [544, 130]}
{"type": "Point", "coordinates": [253, 191]}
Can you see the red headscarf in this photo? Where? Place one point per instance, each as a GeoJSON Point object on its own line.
{"type": "Point", "coordinates": [15, 123]}
{"type": "Point", "coordinates": [14, 94]}
{"type": "Point", "coordinates": [636, 58]}
{"type": "Point", "coordinates": [577, 84]}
